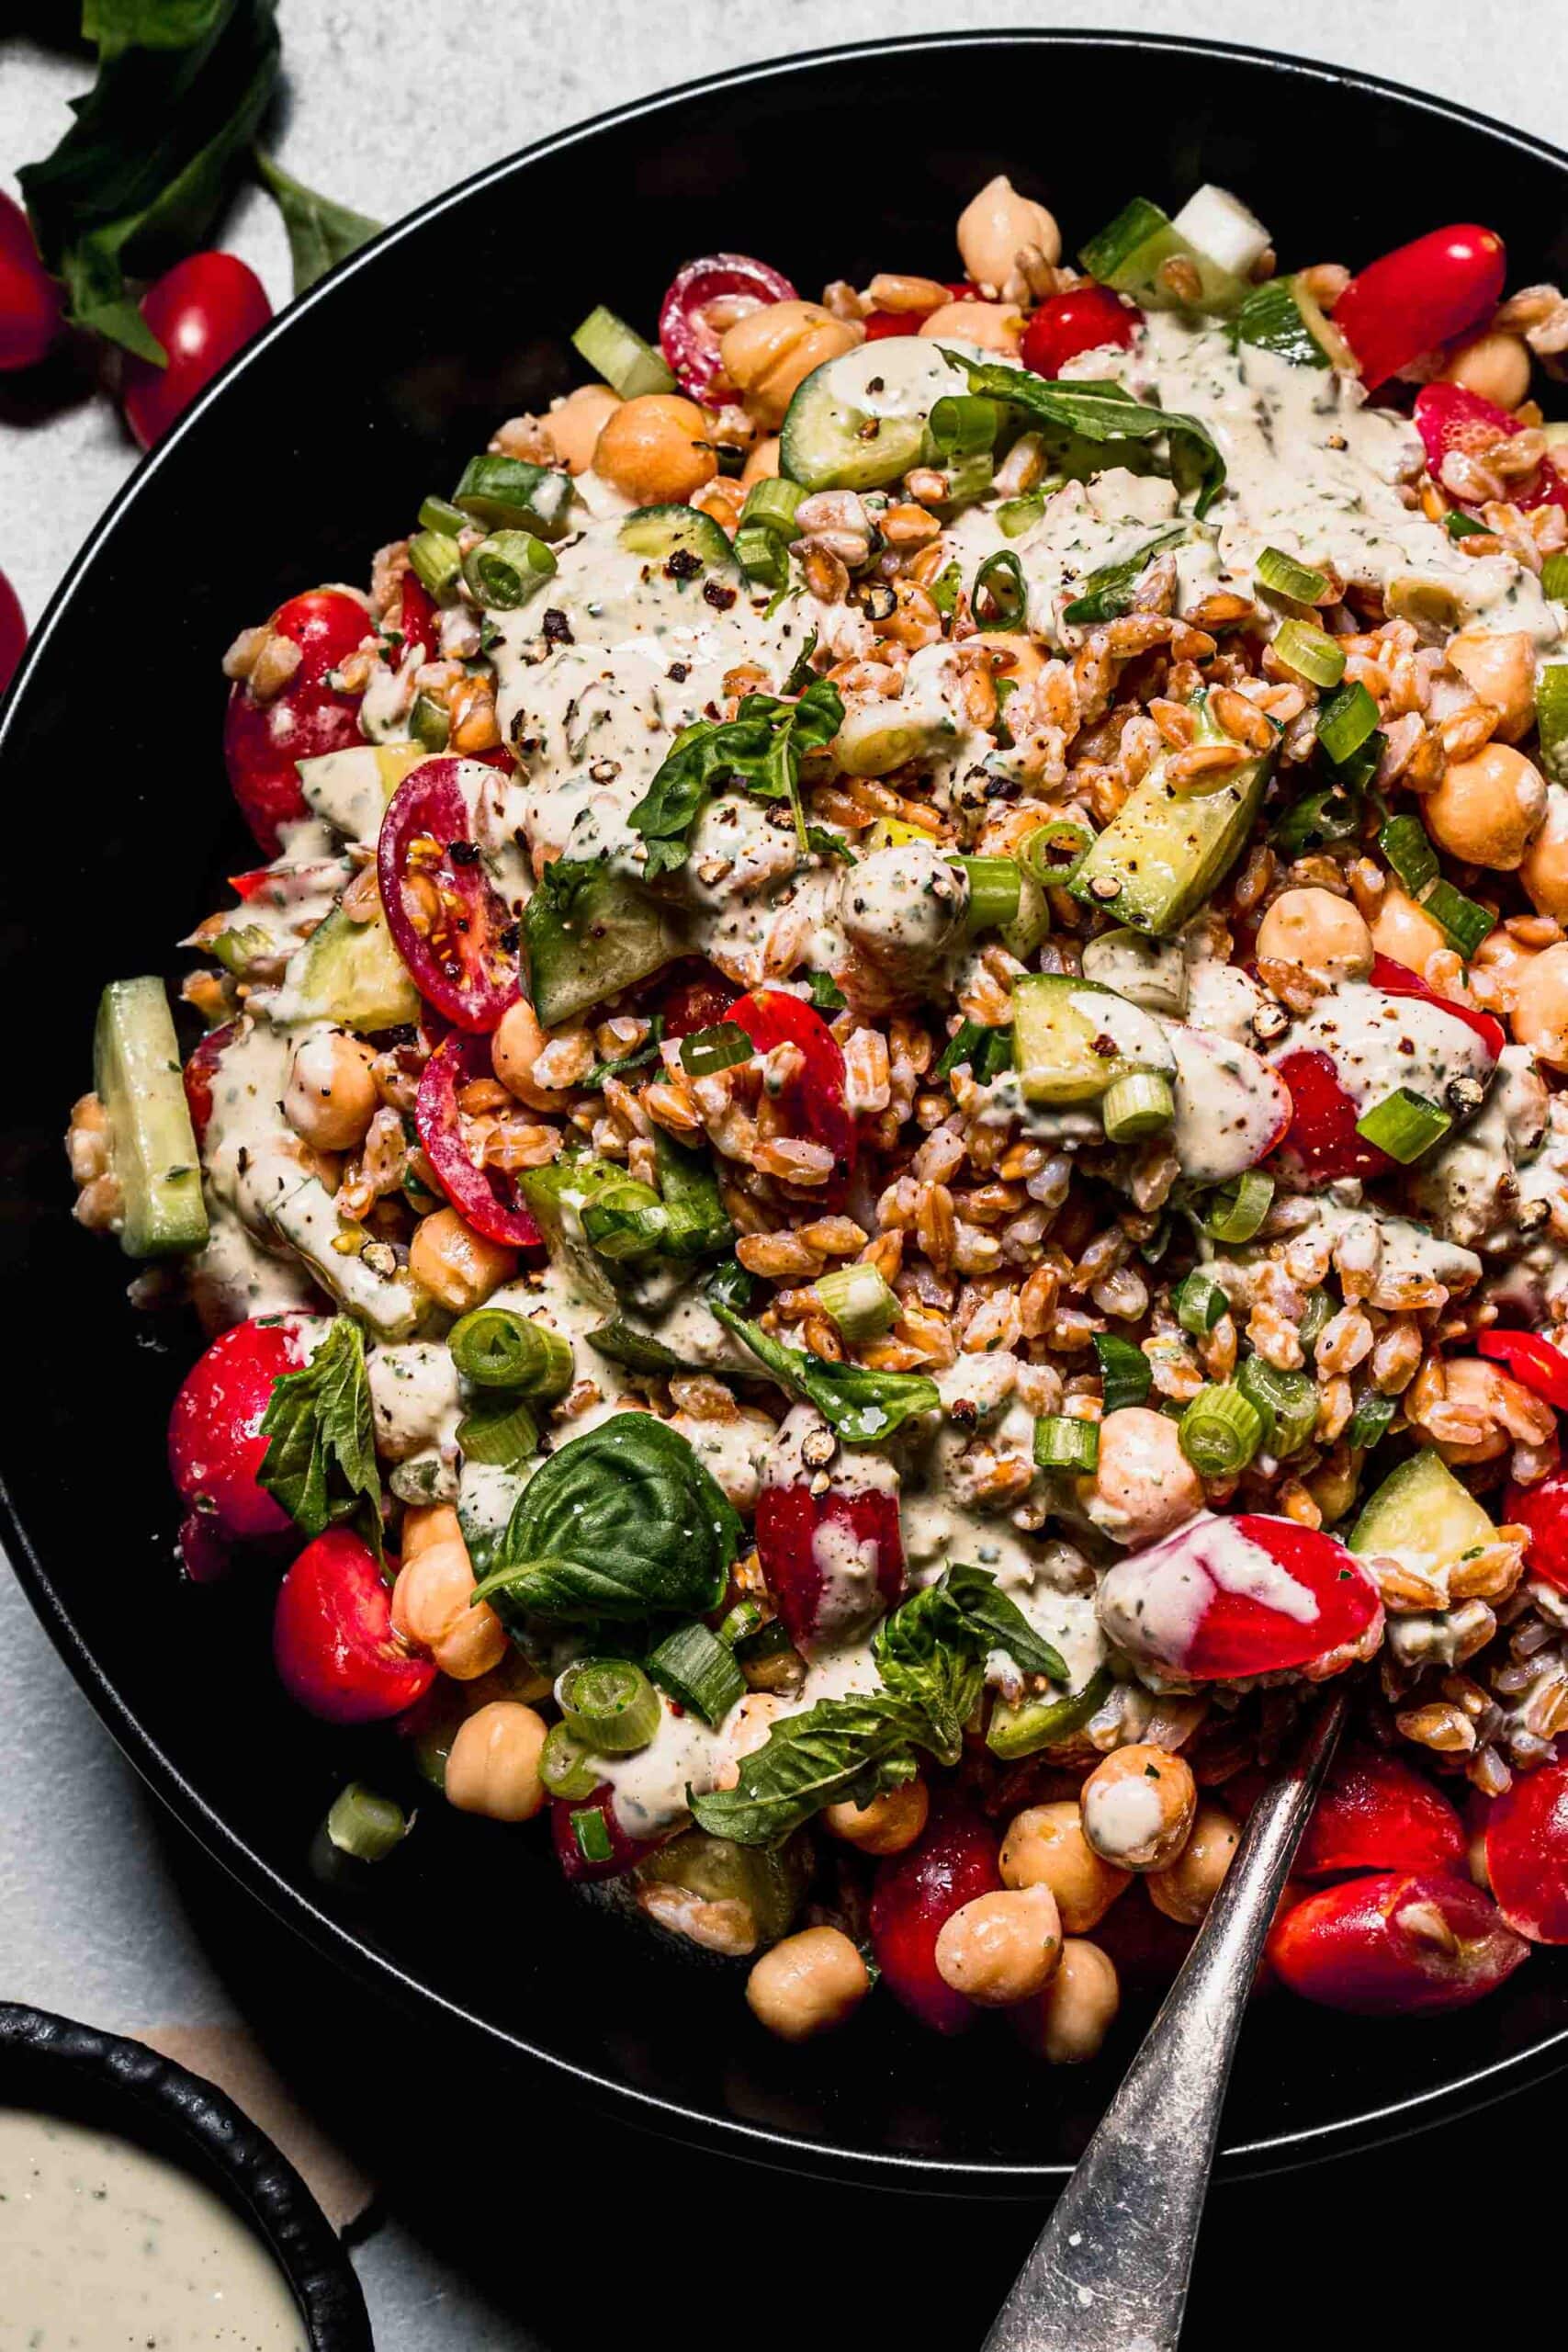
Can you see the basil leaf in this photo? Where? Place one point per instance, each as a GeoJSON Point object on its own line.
{"type": "Point", "coordinates": [831, 845]}
{"type": "Point", "coordinates": [320, 234]}
{"type": "Point", "coordinates": [621, 1522]}
{"type": "Point", "coordinates": [801, 672]}
{"type": "Point", "coordinates": [840, 1750]}
{"type": "Point", "coordinates": [862, 1406]}
{"type": "Point", "coordinates": [825, 993]}
{"type": "Point", "coordinates": [761, 747]}
{"type": "Point", "coordinates": [1109, 592]}
{"type": "Point", "coordinates": [1104, 413]}
{"type": "Point", "coordinates": [592, 1081]}
{"type": "Point", "coordinates": [969, 1605]}
{"type": "Point", "coordinates": [151, 158]}
{"type": "Point", "coordinates": [321, 1458]}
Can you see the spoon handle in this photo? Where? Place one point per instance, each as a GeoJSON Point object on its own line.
{"type": "Point", "coordinates": [1110, 2271]}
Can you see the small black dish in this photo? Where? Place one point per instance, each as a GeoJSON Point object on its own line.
{"type": "Point", "coordinates": [58, 2067]}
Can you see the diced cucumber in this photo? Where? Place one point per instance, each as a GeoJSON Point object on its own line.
{"type": "Point", "coordinates": [767, 1883]}
{"type": "Point", "coordinates": [662, 532]}
{"type": "Point", "coordinates": [510, 494]}
{"type": "Point", "coordinates": [1159, 859]}
{"type": "Point", "coordinates": [351, 788]}
{"type": "Point", "coordinates": [1131, 253]}
{"type": "Point", "coordinates": [1423, 1517]}
{"type": "Point", "coordinates": [1220, 225]}
{"type": "Point", "coordinates": [1150, 972]}
{"type": "Point", "coordinates": [863, 420]}
{"type": "Point", "coordinates": [1072, 1040]}
{"type": "Point", "coordinates": [1552, 719]}
{"type": "Point", "coordinates": [1281, 317]}
{"type": "Point", "coordinates": [882, 734]}
{"type": "Point", "coordinates": [137, 1076]}
{"type": "Point", "coordinates": [351, 973]}
{"type": "Point", "coordinates": [392, 1303]}
{"type": "Point", "coordinates": [609, 933]}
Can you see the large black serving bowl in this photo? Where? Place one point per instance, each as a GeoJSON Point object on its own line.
{"type": "Point", "coordinates": [313, 449]}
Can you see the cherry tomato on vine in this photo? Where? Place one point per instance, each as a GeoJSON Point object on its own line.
{"type": "Point", "coordinates": [773, 1017]}
{"type": "Point", "coordinates": [798, 1559]}
{"type": "Point", "coordinates": [13, 633]}
{"type": "Point", "coordinates": [487, 1198]}
{"type": "Point", "coordinates": [916, 1892]}
{"type": "Point", "coordinates": [333, 1638]}
{"type": "Point", "coordinates": [1221, 1600]}
{"type": "Point", "coordinates": [1449, 418]}
{"type": "Point", "coordinates": [32, 305]}
{"type": "Point", "coordinates": [202, 311]}
{"type": "Point", "coordinates": [1395, 1944]}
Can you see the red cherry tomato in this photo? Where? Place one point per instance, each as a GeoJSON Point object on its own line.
{"type": "Point", "coordinates": [1534, 1362]}
{"type": "Point", "coordinates": [199, 1072]}
{"type": "Point", "coordinates": [417, 623]}
{"type": "Point", "coordinates": [1543, 1509]}
{"type": "Point", "coordinates": [688, 338]}
{"type": "Point", "coordinates": [309, 718]}
{"type": "Point", "coordinates": [486, 1198]}
{"type": "Point", "coordinates": [202, 311]}
{"type": "Point", "coordinates": [1395, 1944]}
{"type": "Point", "coordinates": [1378, 1813]}
{"type": "Point", "coordinates": [1419, 296]}
{"type": "Point", "coordinates": [953, 1861]}
{"type": "Point", "coordinates": [799, 1566]}
{"type": "Point", "coordinates": [1398, 980]}
{"type": "Point", "coordinates": [1089, 318]}
{"type": "Point", "coordinates": [1449, 418]}
{"type": "Point", "coordinates": [1204, 1604]}
{"type": "Point", "coordinates": [698, 997]}
{"type": "Point", "coordinates": [30, 303]}
{"type": "Point", "coordinates": [590, 1822]}
{"type": "Point", "coordinates": [463, 959]}
{"type": "Point", "coordinates": [1527, 1853]}
{"type": "Point", "coordinates": [773, 1017]}
{"type": "Point", "coordinates": [332, 1639]}
{"type": "Point", "coordinates": [215, 1441]}
{"type": "Point", "coordinates": [13, 633]}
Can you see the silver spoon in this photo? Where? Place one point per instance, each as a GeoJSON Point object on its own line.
{"type": "Point", "coordinates": [1110, 2270]}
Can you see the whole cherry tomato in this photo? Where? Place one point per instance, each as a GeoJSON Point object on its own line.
{"type": "Point", "coordinates": [202, 311]}
{"type": "Point", "coordinates": [1533, 1362]}
{"type": "Point", "coordinates": [1543, 1509]}
{"type": "Point", "coordinates": [953, 1861]}
{"type": "Point", "coordinates": [1527, 1853]}
{"type": "Point", "coordinates": [1376, 1813]}
{"type": "Point", "coordinates": [216, 1446]}
{"type": "Point", "coordinates": [1395, 1944]}
{"type": "Point", "coordinates": [1419, 296]}
{"type": "Point", "coordinates": [13, 633]}
{"type": "Point", "coordinates": [199, 1072]}
{"type": "Point", "coordinates": [455, 933]}
{"type": "Point", "coordinates": [262, 741]}
{"type": "Point", "coordinates": [1087, 318]}
{"type": "Point", "coordinates": [773, 1017]}
{"type": "Point", "coordinates": [1223, 1599]}
{"type": "Point", "coordinates": [687, 335]}
{"type": "Point", "coordinates": [1449, 418]}
{"type": "Point", "coordinates": [31, 306]}
{"type": "Point", "coordinates": [588, 1840]}
{"type": "Point", "coordinates": [807, 1542]}
{"type": "Point", "coordinates": [487, 1198]}
{"type": "Point", "coordinates": [333, 1638]}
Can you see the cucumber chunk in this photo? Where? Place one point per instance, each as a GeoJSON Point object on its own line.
{"type": "Point", "coordinates": [861, 420]}
{"type": "Point", "coordinates": [1281, 317]}
{"type": "Point", "coordinates": [1159, 859]}
{"type": "Point", "coordinates": [1072, 1040]}
{"type": "Point", "coordinates": [683, 532]}
{"type": "Point", "coordinates": [137, 1075]}
{"type": "Point", "coordinates": [591, 943]}
{"type": "Point", "coordinates": [392, 1305]}
{"type": "Point", "coordinates": [351, 788]}
{"type": "Point", "coordinates": [351, 973]}
{"type": "Point", "coordinates": [1150, 972]}
{"type": "Point", "coordinates": [1131, 253]}
{"type": "Point", "coordinates": [1423, 1517]}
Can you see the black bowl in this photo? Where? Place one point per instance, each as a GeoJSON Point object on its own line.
{"type": "Point", "coordinates": [52, 2065]}
{"type": "Point", "coordinates": [316, 447]}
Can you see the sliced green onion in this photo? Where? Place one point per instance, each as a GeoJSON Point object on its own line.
{"type": "Point", "coordinates": [763, 556]}
{"type": "Point", "coordinates": [1221, 1430]}
{"type": "Point", "coordinates": [705, 1051]}
{"type": "Point", "coordinates": [590, 1834]}
{"type": "Point", "coordinates": [625, 1221]}
{"type": "Point", "coordinates": [504, 570]}
{"type": "Point", "coordinates": [743, 1619]}
{"type": "Point", "coordinates": [858, 1301]}
{"type": "Point", "coordinates": [609, 1704]}
{"type": "Point", "coordinates": [1054, 852]}
{"type": "Point", "coordinates": [436, 563]}
{"type": "Point", "coordinates": [1318, 1314]}
{"type": "Point", "coordinates": [240, 947]}
{"type": "Point", "coordinates": [618, 352]}
{"type": "Point", "coordinates": [1552, 719]}
{"type": "Point", "coordinates": [1237, 1209]}
{"type": "Point", "coordinates": [1138, 1106]}
{"type": "Point", "coordinates": [1109, 592]}
{"type": "Point", "coordinates": [1021, 1726]}
{"type": "Point", "coordinates": [430, 722]}
{"type": "Point", "coordinates": [995, 886]}
{"type": "Point", "coordinates": [495, 1348]}
{"type": "Point", "coordinates": [1405, 1124]}
{"type": "Point", "coordinates": [1125, 1374]}
{"type": "Point", "coordinates": [1310, 652]}
{"type": "Point", "coordinates": [698, 1671]}
{"type": "Point", "coordinates": [1554, 577]}
{"type": "Point", "coordinates": [509, 494]}
{"type": "Point", "coordinates": [993, 1054]}
{"type": "Point", "coordinates": [1370, 1422]}
{"type": "Point", "coordinates": [500, 1435]}
{"type": "Point", "coordinates": [440, 514]}
{"type": "Point", "coordinates": [364, 1826]}
{"type": "Point", "coordinates": [1345, 724]}
{"type": "Point", "coordinates": [773, 502]}
{"type": "Point", "coordinates": [946, 589]}
{"type": "Point", "coordinates": [1001, 584]}
{"type": "Point", "coordinates": [770, 1641]}
{"type": "Point", "coordinates": [1016, 515]}
{"type": "Point", "coordinates": [1359, 773]}
{"type": "Point", "coordinates": [1062, 1443]}
{"type": "Point", "coordinates": [1287, 1399]}
{"type": "Point", "coordinates": [1199, 1303]}
{"type": "Point", "coordinates": [1286, 575]}
{"type": "Point", "coordinates": [564, 1767]}
{"type": "Point", "coordinates": [960, 1048]}
{"type": "Point", "coordinates": [1409, 853]}
{"type": "Point", "coordinates": [1465, 923]}
{"type": "Point", "coordinates": [964, 428]}
{"type": "Point", "coordinates": [1467, 526]}
{"type": "Point", "coordinates": [1316, 819]}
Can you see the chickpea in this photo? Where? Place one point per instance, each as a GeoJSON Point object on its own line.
{"type": "Point", "coordinates": [1045, 1846]}
{"type": "Point", "coordinates": [1185, 1891]}
{"type": "Point", "coordinates": [656, 449]}
{"type": "Point", "coordinates": [807, 1984]}
{"type": "Point", "coordinates": [885, 1825]}
{"type": "Point", "coordinates": [1001, 1948]}
{"type": "Point", "coordinates": [1138, 1804]}
{"type": "Point", "coordinates": [1543, 869]}
{"type": "Point", "coordinates": [1314, 928]}
{"type": "Point", "coordinates": [1500, 666]}
{"type": "Point", "coordinates": [995, 326]}
{"type": "Point", "coordinates": [1144, 1485]}
{"type": "Point", "coordinates": [494, 1764]}
{"type": "Point", "coordinates": [575, 425]}
{"type": "Point", "coordinates": [998, 226]}
{"type": "Point", "coordinates": [1488, 809]}
{"type": "Point", "coordinates": [331, 1097]}
{"type": "Point", "coordinates": [1078, 2006]}
{"type": "Point", "coordinates": [1496, 365]}
{"type": "Point", "coordinates": [458, 1266]}
{"type": "Point", "coordinates": [762, 465]}
{"type": "Point", "coordinates": [767, 353]}
{"type": "Point", "coordinates": [723, 500]}
{"type": "Point", "coordinates": [433, 1608]}
{"type": "Point", "coordinates": [1402, 931]}
{"type": "Point", "coordinates": [1540, 1006]}
{"type": "Point", "coordinates": [514, 1047]}
{"type": "Point", "coordinates": [748, 1730]}
{"type": "Point", "coordinates": [1497, 968]}
{"type": "Point", "coordinates": [425, 1524]}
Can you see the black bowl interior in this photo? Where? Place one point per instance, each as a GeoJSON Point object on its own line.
{"type": "Point", "coordinates": [316, 449]}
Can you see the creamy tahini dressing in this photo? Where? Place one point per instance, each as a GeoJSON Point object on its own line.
{"type": "Point", "coordinates": [1378, 1042]}
{"type": "Point", "coordinates": [1152, 1603]}
{"type": "Point", "coordinates": [1121, 1817]}
{"type": "Point", "coordinates": [104, 2246]}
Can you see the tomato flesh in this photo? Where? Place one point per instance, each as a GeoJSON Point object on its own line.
{"type": "Point", "coordinates": [687, 335]}
{"type": "Point", "coordinates": [1421, 295]}
{"type": "Point", "coordinates": [1543, 1509]}
{"type": "Point", "coordinates": [13, 633]}
{"type": "Point", "coordinates": [1089, 318]}
{"type": "Point", "coordinates": [879, 324]}
{"type": "Point", "coordinates": [453, 929]}
{"type": "Point", "coordinates": [865, 1526]}
{"type": "Point", "coordinates": [333, 1638]}
{"type": "Point", "coordinates": [310, 717]}
{"type": "Point", "coordinates": [1449, 418]}
{"type": "Point", "coordinates": [32, 305]}
{"type": "Point", "coordinates": [486, 1198]}
{"type": "Point", "coordinates": [1533, 1362]}
{"type": "Point", "coordinates": [199, 1072]}
{"type": "Point", "coordinates": [1376, 1813]}
{"type": "Point", "coordinates": [1202, 1604]}
{"type": "Point", "coordinates": [216, 1446]}
{"type": "Point", "coordinates": [1395, 1943]}
{"type": "Point", "coordinates": [1527, 1853]}
{"type": "Point", "coordinates": [202, 311]}
{"type": "Point", "coordinates": [773, 1017]}
{"type": "Point", "coordinates": [417, 623]}
{"type": "Point", "coordinates": [917, 1892]}
{"type": "Point", "coordinates": [625, 1852]}
{"type": "Point", "coordinates": [697, 999]}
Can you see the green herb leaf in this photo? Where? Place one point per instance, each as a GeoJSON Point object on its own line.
{"type": "Point", "coordinates": [761, 747]}
{"type": "Point", "coordinates": [825, 993]}
{"type": "Point", "coordinates": [969, 1604]}
{"type": "Point", "coordinates": [320, 234]}
{"type": "Point", "coordinates": [862, 1406]}
{"type": "Point", "coordinates": [829, 845]}
{"type": "Point", "coordinates": [1106, 415]}
{"type": "Point", "coordinates": [1109, 592]}
{"type": "Point", "coordinates": [321, 1458]}
{"type": "Point", "coordinates": [592, 1081]}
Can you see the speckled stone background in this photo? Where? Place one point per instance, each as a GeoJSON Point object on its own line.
{"type": "Point", "coordinates": [498, 2227]}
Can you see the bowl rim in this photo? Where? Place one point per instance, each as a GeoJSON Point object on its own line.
{"type": "Point", "coordinates": [657, 2112]}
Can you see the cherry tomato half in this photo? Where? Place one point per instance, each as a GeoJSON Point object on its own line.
{"type": "Point", "coordinates": [486, 1198]}
{"type": "Point", "coordinates": [589, 1840]}
{"type": "Point", "coordinates": [30, 303]}
{"type": "Point", "coordinates": [799, 1566]}
{"type": "Point", "coordinates": [13, 633]}
{"type": "Point", "coordinates": [879, 324]}
{"type": "Point", "coordinates": [453, 930]}
{"type": "Point", "coordinates": [202, 311]}
{"type": "Point", "coordinates": [1527, 1853]}
{"type": "Point", "coordinates": [1448, 419]}
{"type": "Point", "coordinates": [1087, 318]}
{"type": "Point", "coordinates": [1419, 296]}
{"type": "Point", "coordinates": [1377, 1813]}
{"type": "Point", "coordinates": [1534, 1362]}
{"type": "Point", "coordinates": [1202, 1604]}
{"type": "Point", "coordinates": [694, 997]}
{"type": "Point", "coordinates": [416, 622]}
{"type": "Point", "coordinates": [216, 1446]}
{"type": "Point", "coordinates": [199, 1072]}
{"type": "Point", "coordinates": [773, 1017]}
{"type": "Point", "coordinates": [333, 1638]}
{"type": "Point", "coordinates": [1395, 1944]}
{"type": "Point", "coordinates": [953, 1861]}
{"type": "Point", "coordinates": [687, 335]}
{"type": "Point", "coordinates": [262, 741]}
{"type": "Point", "coordinates": [1543, 1508]}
